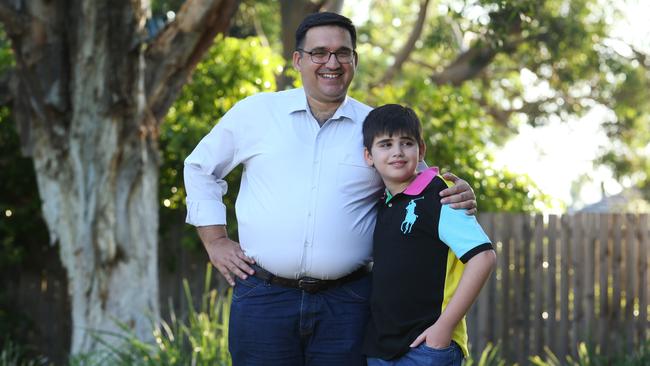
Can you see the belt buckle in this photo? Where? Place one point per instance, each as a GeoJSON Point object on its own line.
{"type": "Point", "coordinates": [308, 284]}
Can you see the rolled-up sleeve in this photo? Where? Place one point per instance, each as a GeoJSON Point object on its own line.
{"type": "Point", "coordinates": [204, 172]}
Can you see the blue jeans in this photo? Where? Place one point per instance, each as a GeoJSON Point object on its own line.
{"type": "Point", "coordinates": [278, 326]}
{"type": "Point", "coordinates": [422, 355]}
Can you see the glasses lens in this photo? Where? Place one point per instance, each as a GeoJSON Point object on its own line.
{"type": "Point", "coordinates": [320, 56]}
{"type": "Point", "coordinates": [344, 56]}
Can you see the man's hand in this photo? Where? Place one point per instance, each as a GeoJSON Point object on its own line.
{"type": "Point", "coordinates": [460, 195]}
{"type": "Point", "coordinates": [436, 336]}
{"type": "Point", "coordinates": [226, 255]}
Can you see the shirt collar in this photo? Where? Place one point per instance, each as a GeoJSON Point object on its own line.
{"type": "Point", "coordinates": [421, 181]}
{"type": "Point", "coordinates": [298, 102]}
{"type": "Point", "coordinates": [417, 185]}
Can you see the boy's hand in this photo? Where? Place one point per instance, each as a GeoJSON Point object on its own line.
{"type": "Point", "coordinates": [436, 336]}
{"type": "Point", "coordinates": [460, 195]}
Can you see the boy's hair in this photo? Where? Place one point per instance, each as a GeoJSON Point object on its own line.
{"type": "Point", "coordinates": [325, 18]}
{"type": "Point", "coordinates": [390, 119]}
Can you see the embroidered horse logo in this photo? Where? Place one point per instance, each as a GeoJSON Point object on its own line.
{"type": "Point", "coordinates": [410, 217]}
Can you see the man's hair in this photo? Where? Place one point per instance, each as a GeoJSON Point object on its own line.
{"type": "Point", "coordinates": [325, 18]}
{"type": "Point", "coordinates": [390, 119]}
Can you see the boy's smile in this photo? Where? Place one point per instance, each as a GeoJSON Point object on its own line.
{"type": "Point", "coordinates": [395, 158]}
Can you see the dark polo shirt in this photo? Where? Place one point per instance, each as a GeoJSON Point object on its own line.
{"type": "Point", "coordinates": [419, 250]}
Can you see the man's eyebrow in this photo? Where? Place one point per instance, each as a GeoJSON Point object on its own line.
{"type": "Point", "coordinates": [327, 49]}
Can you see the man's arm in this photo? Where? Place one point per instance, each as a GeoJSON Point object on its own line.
{"type": "Point", "coordinates": [226, 255]}
{"type": "Point", "coordinates": [476, 272]}
{"type": "Point", "coordinates": [460, 195]}
{"type": "Point", "coordinates": [205, 168]}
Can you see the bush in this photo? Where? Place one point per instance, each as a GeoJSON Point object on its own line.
{"type": "Point", "coordinates": [13, 355]}
{"type": "Point", "coordinates": [590, 356]}
{"type": "Point", "coordinates": [200, 340]}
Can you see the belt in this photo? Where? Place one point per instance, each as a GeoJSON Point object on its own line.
{"type": "Point", "coordinates": [308, 284]}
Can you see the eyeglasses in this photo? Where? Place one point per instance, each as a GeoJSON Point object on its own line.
{"type": "Point", "coordinates": [343, 56]}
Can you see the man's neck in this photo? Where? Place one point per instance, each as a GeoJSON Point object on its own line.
{"type": "Point", "coordinates": [322, 111]}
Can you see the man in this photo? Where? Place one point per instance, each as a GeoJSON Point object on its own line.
{"type": "Point", "coordinates": [305, 210]}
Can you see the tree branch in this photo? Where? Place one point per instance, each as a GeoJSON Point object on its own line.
{"type": "Point", "coordinates": [467, 65]}
{"type": "Point", "coordinates": [404, 53]}
{"type": "Point", "coordinates": [177, 50]}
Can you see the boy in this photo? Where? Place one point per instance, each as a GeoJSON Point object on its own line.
{"type": "Point", "coordinates": [430, 261]}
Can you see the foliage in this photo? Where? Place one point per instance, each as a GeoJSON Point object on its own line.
{"type": "Point", "coordinates": [201, 339]}
{"type": "Point", "coordinates": [13, 355]}
{"type": "Point", "coordinates": [232, 70]}
{"type": "Point", "coordinates": [630, 129]}
{"type": "Point", "coordinates": [542, 61]}
{"type": "Point", "coordinates": [590, 356]}
{"type": "Point", "coordinates": [458, 136]}
{"type": "Point", "coordinates": [491, 356]}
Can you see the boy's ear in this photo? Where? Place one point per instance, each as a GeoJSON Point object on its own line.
{"type": "Point", "coordinates": [367, 156]}
{"type": "Point", "coordinates": [423, 150]}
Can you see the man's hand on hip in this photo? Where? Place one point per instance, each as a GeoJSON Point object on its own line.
{"type": "Point", "coordinates": [460, 195]}
{"type": "Point", "coordinates": [226, 255]}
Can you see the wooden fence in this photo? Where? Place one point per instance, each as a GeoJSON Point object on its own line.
{"type": "Point", "coordinates": [562, 280]}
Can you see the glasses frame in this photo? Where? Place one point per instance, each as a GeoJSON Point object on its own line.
{"type": "Point", "coordinates": [311, 56]}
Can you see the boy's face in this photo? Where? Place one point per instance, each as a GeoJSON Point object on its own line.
{"type": "Point", "coordinates": [395, 158]}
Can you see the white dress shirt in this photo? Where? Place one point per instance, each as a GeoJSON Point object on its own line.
{"type": "Point", "coordinates": [306, 205]}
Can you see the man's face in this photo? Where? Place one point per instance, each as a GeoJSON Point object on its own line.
{"type": "Point", "coordinates": [329, 82]}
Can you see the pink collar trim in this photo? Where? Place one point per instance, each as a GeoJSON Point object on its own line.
{"type": "Point", "coordinates": [421, 181]}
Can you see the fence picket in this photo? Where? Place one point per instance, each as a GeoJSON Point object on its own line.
{"type": "Point", "coordinates": [604, 270]}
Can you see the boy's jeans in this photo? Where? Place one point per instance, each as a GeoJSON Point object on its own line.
{"type": "Point", "coordinates": [423, 355]}
{"type": "Point", "coordinates": [275, 325]}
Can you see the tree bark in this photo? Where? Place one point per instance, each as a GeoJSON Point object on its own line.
{"type": "Point", "coordinates": [88, 100]}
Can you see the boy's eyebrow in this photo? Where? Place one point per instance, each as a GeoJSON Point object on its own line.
{"type": "Point", "coordinates": [388, 139]}
{"type": "Point", "coordinates": [407, 138]}
{"type": "Point", "coordinates": [385, 139]}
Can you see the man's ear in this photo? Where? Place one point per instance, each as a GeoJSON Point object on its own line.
{"type": "Point", "coordinates": [368, 157]}
{"type": "Point", "coordinates": [297, 57]}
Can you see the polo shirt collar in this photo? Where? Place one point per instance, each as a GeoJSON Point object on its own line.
{"type": "Point", "coordinates": [418, 184]}
{"type": "Point", "coordinates": [298, 102]}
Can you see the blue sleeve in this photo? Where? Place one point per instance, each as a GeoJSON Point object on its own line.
{"type": "Point", "coordinates": [462, 233]}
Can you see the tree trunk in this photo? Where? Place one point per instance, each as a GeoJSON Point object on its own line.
{"type": "Point", "coordinates": [81, 95]}
{"type": "Point", "coordinates": [292, 12]}
{"type": "Point", "coordinates": [91, 127]}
